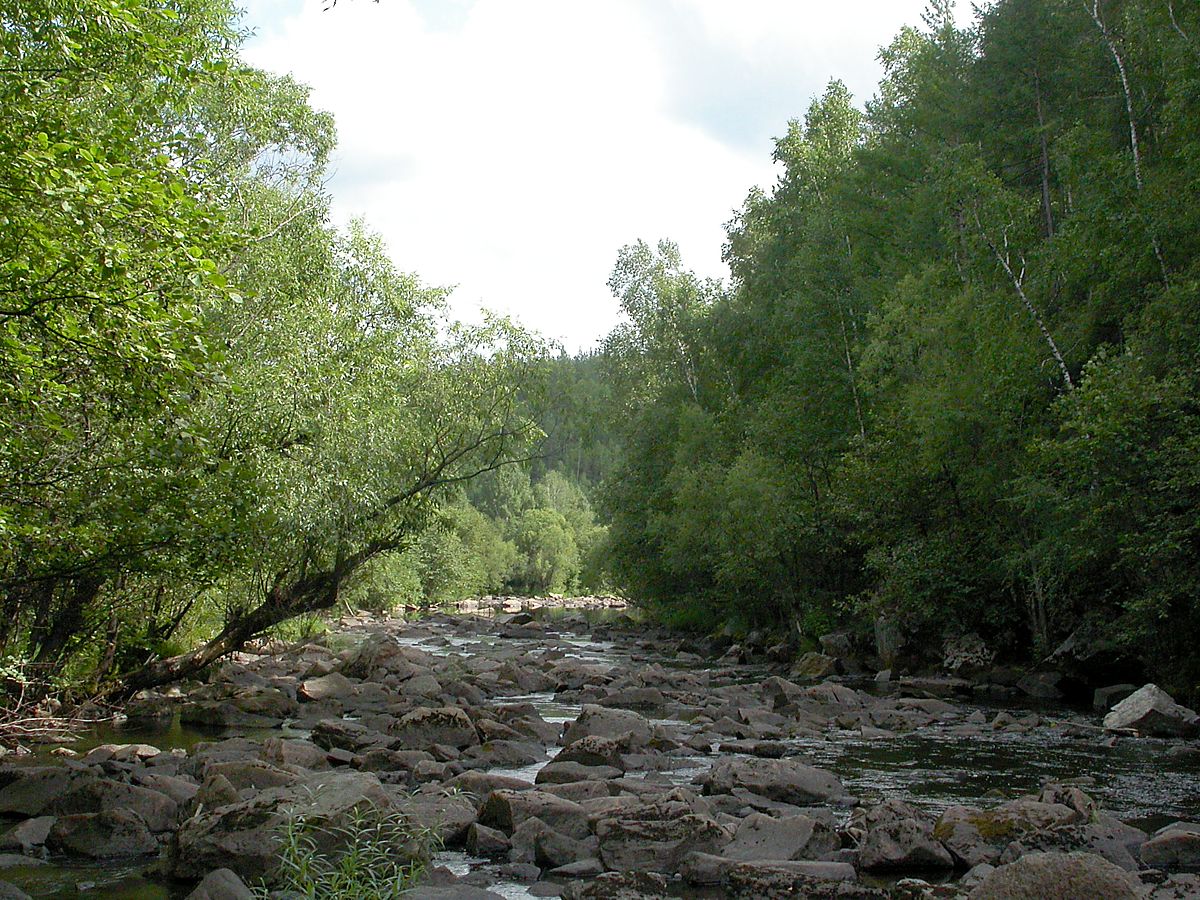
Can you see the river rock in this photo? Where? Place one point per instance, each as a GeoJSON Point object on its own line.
{"type": "Point", "coordinates": [900, 838]}
{"type": "Point", "coordinates": [158, 811]}
{"type": "Point", "coordinates": [776, 880]}
{"type": "Point", "coordinates": [334, 686]}
{"type": "Point", "coordinates": [1046, 685]}
{"type": "Point", "coordinates": [656, 845]}
{"type": "Point", "coordinates": [784, 780]}
{"type": "Point", "coordinates": [593, 750]}
{"type": "Point", "coordinates": [425, 727]}
{"type": "Point", "coordinates": [25, 837]}
{"type": "Point", "coordinates": [28, 790]}
{"type": "Point", "coordinates": [245, 836]}
{"type": "Point", "coordinates": [619, 886]}
{"type": "Point", "coordinates": [9, 891]}
{"type": "Point", "coordinates": [1173, 848]}
{"type": "Point", "coordinates": [487, 842]}
{"type": "Point", "coordinates": [506, 810]}
{"type": "Point", "coordinates": [627, 728]}
{"type": "Point", "coordinates": [1063, 876]}
{"type": "Point", "coordinates": [109, 834]}
{"type": "Point", "coordinates": [341, 734]}
{"type": "Point", "coordinates": [1151, 710]}
{"type": "Point", "coordinates": [552, 849]}
{"type": "Point", "coordinates": [221, 884]}
{"type": "Point", "coordinates": [760, 836]}
{"type": "Point", "coordinates": [975, 836]}
{"type": "Point", "coordinates": [570, 772]}
{"type": "Point", "coordinates": [815, 665]}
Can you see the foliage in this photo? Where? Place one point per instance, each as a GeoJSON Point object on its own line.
{"type": "Point", "coordinates": [380, 855]}
{"type": "Point", "coordinates": [954, 380]}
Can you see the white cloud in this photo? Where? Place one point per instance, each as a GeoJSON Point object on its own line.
{"type": "Point", "coordinates": [515, 149]}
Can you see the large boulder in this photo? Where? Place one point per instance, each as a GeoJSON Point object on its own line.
{"type": "Point", "coordinates": [654, 844]}
{"type": "Point", "coordinates": [158, 811]}
{"type": "Point", "coordinates": [900, 838]}
{"type": "Point", "coordinates": [424, 727]}
{"type": "Point", "coordinates": [815, 665]}
{"type": "Point", "coordinates": [627, 728]}
{"type": "Point", "coordinates": [1063, 876]}
{"type": "Point", "coordinates": [784, 780]}
{"type": "Point", "coordinates": [28, 790]}
{"type": "Point", "coordinates": [246, 836]}
{"type": "Point", "coordinates": [1173, 848]}
{"type": "Point", "coordinates": [507, 810]}
{"type": "Point", "coordinates": [619, 886]}
{"type": "Point", "coordinates": [109, 834]}
{"type": "Point", "coordinates": [975, 836]}
{"type": "Point", "coordinates": [760, 836]}
{"type": "Point", "coordinates": [593, 750]}
{"type": "Point", "coordinates": [1151, 710]}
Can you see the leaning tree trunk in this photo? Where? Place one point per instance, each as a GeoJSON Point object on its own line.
{"type": "Point", "coordinates": [313, 592]}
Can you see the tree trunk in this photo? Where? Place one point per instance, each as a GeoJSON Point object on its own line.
{"type": "Point", "coordinates": [313, 592]}
{"type": "Point", "coordinates": [1047, 209]}
{"type": "Point", "coordinates": [1134, 143]}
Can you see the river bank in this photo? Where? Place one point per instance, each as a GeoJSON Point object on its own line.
{"type": "Point", "coordinates": [559, 752]}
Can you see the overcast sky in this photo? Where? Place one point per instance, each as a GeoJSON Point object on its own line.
{"type": "Point", "coordinates": [511, 147]}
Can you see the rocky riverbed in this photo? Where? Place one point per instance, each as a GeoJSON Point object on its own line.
{"type": "Point", "coordinates": [561, 756]}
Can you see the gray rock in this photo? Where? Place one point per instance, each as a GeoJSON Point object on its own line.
{"type": "Point", "coordinates": [784, 780]}
{"type": "Point", "coordinates": [487, 842]}
{"type": "Point", "coordinates": [423, 728]}
{"type": "Point", "coordinates": [28, 790]}
{"type": "Point", "coordinates": [1042, 685]}
{"type": "Point", "coordinates": [593, 750]}
{"type": "Point", "coordinates": [815, 665]}
{"type": "Point", "coordinates": [1063, 876]}
{"type": "Point", "coordinates": [245, 836]}
{"type": "Point", "coordinates": [335, 686]}
{"type": "Point", "coordinates": [158, 811]}
{"type": "Point", "coordinates": [771, 880]}
{"type": "Point", "coordinates": [10, 891]}
{"type": "Point", "coordinates": [553, 850]}
{"type": "Point", "coordinates": [1173, 848]}
{"type": "Point", "coordinates": [760, 836]}
{"type": "Point", "coordinates": [26, 836]}
{"type": "Point", "coordinates": [657, 845]}
{"type": "Point", "coordinates": [450, 892]}
{"type": "Point", "coordinates": [110, 834]}
{"type": "Point", "coordinates": [619, 886]}
{"type": "Point", "coordinates": [627, 728]}
{"type": "Point", "coordinates": [568, 772]}
{"type": "Point", "coordinates": [221, 884]}
{"type": "Point", "coordinates": [1151, 710]}
{"type": "Point", "coordinates": [506, 810]}
{"type": "Point", "coordinates": [899, 838]}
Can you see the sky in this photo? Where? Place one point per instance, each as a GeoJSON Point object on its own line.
{"type": "Point", "coordinates": [510, 148]}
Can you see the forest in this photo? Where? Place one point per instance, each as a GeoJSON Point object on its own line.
{"type": "Point", "coordinates": [951, 386]}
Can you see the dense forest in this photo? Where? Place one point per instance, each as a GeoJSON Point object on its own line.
{"type": "Point", "coordinates": [953, 384]}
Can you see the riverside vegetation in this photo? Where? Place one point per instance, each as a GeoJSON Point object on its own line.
{"type": "Point", "coordinates": [942, 418]}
